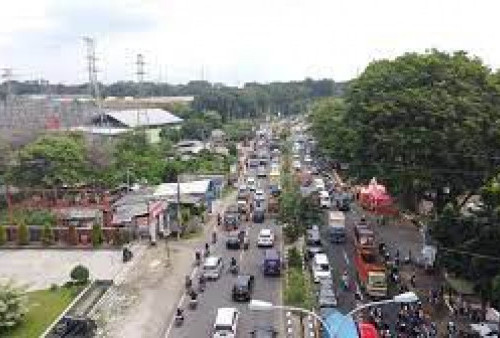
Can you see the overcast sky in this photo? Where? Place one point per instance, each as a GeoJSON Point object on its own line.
{"type": "Point", "coordinates": [236, 41]}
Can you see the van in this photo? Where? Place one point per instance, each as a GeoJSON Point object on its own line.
{"type": "Point", "coordinates": [321, 267]}
{"type": "Point", "coordinates": [272, 263]}
{"type": "Point", "coordinates": [212, 268]}
{"type": "Point", "coordinates": [226, 322]}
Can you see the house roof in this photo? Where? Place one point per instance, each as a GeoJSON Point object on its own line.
{"type": "Point", "coordinates": [100, 130]}
{"type": "Point", "coordinates": [194, 187]}
{"type": "Point", "coordinates": [144, 117]}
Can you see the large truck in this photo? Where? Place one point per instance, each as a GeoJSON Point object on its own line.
{"type": "Point", "coordinates": [336, 225]}
{"type": "Point", "coordinates": [364, 239]}
{"type": "Point", "coordinates": [371, 274]}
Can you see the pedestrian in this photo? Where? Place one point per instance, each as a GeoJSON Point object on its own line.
{"type": "Point", "coordinates": [412, 280]}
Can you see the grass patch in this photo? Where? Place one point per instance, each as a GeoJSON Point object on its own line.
{"type": "Point", "coordinates": [44, 307]}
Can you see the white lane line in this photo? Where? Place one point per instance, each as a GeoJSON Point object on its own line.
{"type": "Point", "coordinates": [179, 304]}
{"type": "Point", "coordinates": [346, 259]}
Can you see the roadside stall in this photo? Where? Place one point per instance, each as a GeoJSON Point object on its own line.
{"type": "Point", "coordinates": [374, 197]}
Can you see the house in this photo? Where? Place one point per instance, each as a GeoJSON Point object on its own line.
{"type": "Point", "coordinates": [201, 192]}
{"type": "Point", "coordinates": [143, 213]}
{"type": "Point", "coordinates": [218, 138]}
{"type": "Point", "coordinates": [115, 122]}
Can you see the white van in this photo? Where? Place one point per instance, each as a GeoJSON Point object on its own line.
{"type": "Point", "coordinates": [324, 199]}
{"type": "Point", "coordinates": [319, 184]}
{"type": "Point", "coordinates": [321, 267]}
{"type": "Point", "coordinates": [226, 322]}
{"type": "Point", "coordinates": [212, 268]}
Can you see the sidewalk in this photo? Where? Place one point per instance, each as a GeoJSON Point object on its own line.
{"type": "Point", "coordinates": [144, 300]}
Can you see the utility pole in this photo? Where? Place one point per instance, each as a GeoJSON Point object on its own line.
{"type": "Point", "coordinates": [92, 72]}
{"type": "Point", "coordinates": [140, 82]}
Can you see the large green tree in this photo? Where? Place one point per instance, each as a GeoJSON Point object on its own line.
{"type": "Point", "coordinates": [51, 160]}
{"type": "Point", "coordinates": [426, 123]}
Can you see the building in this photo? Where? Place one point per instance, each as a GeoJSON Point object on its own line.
{"type": "Point", "coordinates": [115, 122]}
{"type": "Point", "coordinates": [202, 192]}
{"type": "Point", "coordinates": [142, 213]}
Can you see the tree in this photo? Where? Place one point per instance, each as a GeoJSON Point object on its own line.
{"type": "Point", "coordinates": [22, 233]}
{"type": "Point", "coordinates": [97, 235]}
{"type": "Point", "coordinates": [426, 123]}
{"type": "Point", "coordinates": [47, 234]}
{"type": "Point", "coordinates": [79, 274]}
{"type": "Point", "coordinates": [51, 160]}
{"type": "Point", "coordinates": [13, 306]}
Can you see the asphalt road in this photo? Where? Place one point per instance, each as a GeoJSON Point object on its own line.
{"type": "Point", "coordinates": [199, 322]}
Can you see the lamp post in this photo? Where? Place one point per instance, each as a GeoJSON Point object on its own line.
{"type": "Point", "coordinates": [261, 305]}
{"type": "Point", "coordinates": [406, 297]}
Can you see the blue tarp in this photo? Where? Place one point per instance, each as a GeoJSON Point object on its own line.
{"type": "Point", "coordinates": [333, 319]}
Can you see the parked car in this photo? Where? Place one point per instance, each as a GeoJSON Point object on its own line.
{"type": "Point", "coordinates": [260, 195]}
{"type": "Point", "coordinates": [272, 263]}
{"type": "Point", "coordinates": [243, 288]}
{"type": "Point", "coordinates": [266, 238]}
{"type": "Point", "coordinates": [320, 267]}
{"type": "Point", "coordinates": [327, 298]}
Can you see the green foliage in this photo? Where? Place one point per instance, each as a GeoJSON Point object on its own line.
{"type": "Point", "coordinates": [97, 235]}
{"type": "Point", "coordinates": [297, 292]}
{"type": "Point", "coordinates": [12, 306]}
{"type": "Point", "coordinates": [52, 160]}
{"type": "Point", "coordinates": [79, 274]}
{"type": "Point", "coordinates": [3, 235]}
{"type": "Point", "coordinates": [47, 234]}
{"type": "Point", "coordinates": [22, 233]}
{"type": "Point", "coordinates": [294, 258]}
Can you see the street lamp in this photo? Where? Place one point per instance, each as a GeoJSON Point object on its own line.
{"type": "Point", "coordinates": [261, 305]}
{"type": "Point", "coordinates": [406, 297]}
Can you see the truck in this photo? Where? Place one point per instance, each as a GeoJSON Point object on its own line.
{"type": "Point", "coordinates": [371, 274]}
{"type": "Point", "coordinates": [364, 239]}
{"type": "Point", "coordinates": [336, 224]}
{"type": "Point", "coordinates": [232, 217]}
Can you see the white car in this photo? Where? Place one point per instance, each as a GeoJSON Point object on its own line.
{"type": "Point", "coordinates": [251, 183]}
{"type": "Point", "coordinates": [212, 267]}
{"type": "Point", "coordinates": [321, 267]}
{"type": "Point", "coordinates": [297, 165]}
{"type": "Point", "coordinates": [324, 199]}
{"type": "Point", "coordinates": [266, 238]}
{"type": "Point", "coordinates": [319, 184]}
{"type": "Point", "coordinates": [226, 323]}
{"type": "Point", "coordinates": [260, 195]}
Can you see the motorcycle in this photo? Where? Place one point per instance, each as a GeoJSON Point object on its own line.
{"type": "Point", "coordinates": [234, 269]}
{"type": "Point", "coordinates": [179, 318]}
{"type": "Point", "coordinates": [193, 303]}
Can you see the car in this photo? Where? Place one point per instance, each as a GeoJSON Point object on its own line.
{"type": "Point", "coordinates": [259, 215]}
{"type": "Point", "coordinates": [260, 195]}
{"type": "Point", "coordinates": [320, 267]}
{"type": "Point", "coordinates": [266, 238]}
{"type": "Point", "coordinates": [226, 323]}
{"type": "Point", "coordinates": [264, 331]}
{"type": "Point", "coordinates": [243, 288]}
{"type": "Point", "coordinates": [262, 171]}
{"type": "Point", "coordinates": [243, 236]}
{"type": "Point", "coordinates": [212, 267]}
{"type": "Point", "coordinates": [327, 298]}
{"type": "Point", "coordinates": [251, 183]}
{"type": "Point", "coordinates": [296, 165]}
{"type": "Point", "coordinates": [312, 250]}
{"type": "Point", "coordinates": [324, 199]}
{"type": "Point", "coordinates": [233, 240]}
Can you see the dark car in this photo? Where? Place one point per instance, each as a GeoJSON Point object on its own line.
{"type": "Point", "coordinates": [233, 241]}
{"type": "Point", "coordinates": [243, 288]}
{"type": "Point", "coordinates": [264, 331]}
{"type": "Point", "coordinates": [259, 216]}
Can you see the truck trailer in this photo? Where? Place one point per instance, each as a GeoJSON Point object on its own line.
{"type": "Point", "coordinates": [336, 224]}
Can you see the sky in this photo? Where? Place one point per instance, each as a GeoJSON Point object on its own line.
{"type": "Point", "coordinates": [235, 41]}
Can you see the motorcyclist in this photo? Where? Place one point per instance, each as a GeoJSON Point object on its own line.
{"type": "Point", "coordinates": [189, 282]}
{"type": "Point", "coordinates": [193, 295]}
{"type": "Point", "coordinates": [179, 313]}
{"type": "Point", "coordinates": [197, 257]}
{"type": "Point", "coordinates": [207, 250]}
{"type": "Point", "coordinates": [214, 237]}
{"type": "Point", "coordinates": [233, 262]}
{"type": "Point", "coordinates": [219, 219]}
{"type": "Point", "coordinates": [345, 279]}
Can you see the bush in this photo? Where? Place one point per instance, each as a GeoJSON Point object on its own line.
{"type": "Point", "coordinates": [47, 234]}
{"type": "Point", "coordinates": [97, 235]}
{"type": "Point", "coordinates": [22, 233]}
{"type": "Point", "coordinates": [294, 258]}
{"type": "Point", "coordinates": [297, 291]}
{"type": "Point", "coordinates": [13, 306]}
{"type": "Point", "coordinates": [79, 274]}
{"type": "Point", "coordinates": [54, 287]}
{"type": "Point", "coordinates": [3, 235]}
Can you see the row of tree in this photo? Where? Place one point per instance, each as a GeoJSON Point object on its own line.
{"type": "Point", "coordinates": [428, 126]}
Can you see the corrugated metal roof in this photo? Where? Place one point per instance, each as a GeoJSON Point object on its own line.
{"type": "Point", "coordinates": [187, 188]}
{"type": "Point", "coordinates": [143, 117]}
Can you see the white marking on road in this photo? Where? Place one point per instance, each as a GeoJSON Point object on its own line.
{"type": "Point", "coordinates": [346, 259]}
{"type": "Point", "coordinates": [179, 304]}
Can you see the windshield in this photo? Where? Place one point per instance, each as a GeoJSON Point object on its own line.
{"type": "Point", "coordinates": [324, 267]}
{"type": "Point", "coordinates": [377, 280]}
{"type": "Point", "coordinates": [221, 328]}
